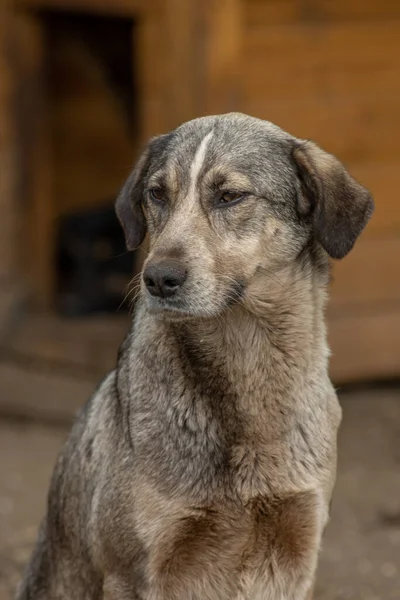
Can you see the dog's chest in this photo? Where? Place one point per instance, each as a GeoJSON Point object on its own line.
{"type": "Point", "coordinates": [202, 462]}
{"type": "Point", "coordinates": [199, 440]}
{"type": "Point", "coordinates": [225, 551]}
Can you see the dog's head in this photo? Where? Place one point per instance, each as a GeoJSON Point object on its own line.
{"type": "Point", "coordinates": [224, 198]}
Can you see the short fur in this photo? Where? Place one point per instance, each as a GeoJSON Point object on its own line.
{"type": "Point", "coordinates": [203, 466]}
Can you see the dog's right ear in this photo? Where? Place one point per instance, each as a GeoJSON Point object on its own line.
{"type": "Point", "coordinates": [129, 202]}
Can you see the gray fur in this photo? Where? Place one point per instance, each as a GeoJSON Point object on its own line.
{"type": "Point", "coordinates": [203, 466]}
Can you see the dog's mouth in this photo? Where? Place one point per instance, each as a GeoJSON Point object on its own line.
{"type": "Point", "coordinates": [182, 308]}
{"type": "Point", "coordinates": [167, 310]}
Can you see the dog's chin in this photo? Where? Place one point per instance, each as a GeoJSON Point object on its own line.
{"type": "Point", "coordinates": [181, 311]}
{"type": "Point", "coordinates": [164, 310]}
{"type": "Point", "coordinates": [174, 316]}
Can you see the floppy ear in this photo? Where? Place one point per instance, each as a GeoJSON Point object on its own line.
{"type": "Point", "coordinates": [340, 206]}
{"type": "Point", "coordinates": [129, 204]}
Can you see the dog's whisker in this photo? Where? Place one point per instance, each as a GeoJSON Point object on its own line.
{"type": "Point", "coordinates": [132, 288]}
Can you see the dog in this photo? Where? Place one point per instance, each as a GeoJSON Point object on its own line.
{"type": "Point", "coordinates": [203, 466]}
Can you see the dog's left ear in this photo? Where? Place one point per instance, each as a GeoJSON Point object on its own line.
{"type": "Point", "coordinates": [129, 202]}
{"type": "Point", "coordinates": [341, 207]}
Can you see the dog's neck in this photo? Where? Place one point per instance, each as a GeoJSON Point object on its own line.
{"type": "Point", "coordinates": [278, 328]}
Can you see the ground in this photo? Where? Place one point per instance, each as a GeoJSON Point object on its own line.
{"type": "Point", "coordinates": [361, 551]}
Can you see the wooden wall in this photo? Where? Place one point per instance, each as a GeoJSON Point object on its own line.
{"type": "Point", "coordinates": [10, 282]}
{"type": "Point", "coordinates": [322, 69]}
{"type": "Point", "coordinates": [92, 147]}
{"type": "Point", "coordinates": [66, 135]}
{"type": "Point", "coordinates": [329, 70]}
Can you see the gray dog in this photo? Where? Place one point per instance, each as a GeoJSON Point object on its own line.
{"type": "Point", "coordinates": [203, 466]}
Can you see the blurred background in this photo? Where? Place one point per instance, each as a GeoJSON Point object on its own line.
{"type": "Point", "coordinates": [83, 84]}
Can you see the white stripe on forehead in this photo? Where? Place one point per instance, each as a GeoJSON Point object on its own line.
{"type": "Point", "coordinates": [198, 161]}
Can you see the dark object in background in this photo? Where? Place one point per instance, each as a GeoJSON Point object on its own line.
{"type": "Point", "coordinates": [110, 40]}
{"type": "Point", "coordinates": [94, 267]}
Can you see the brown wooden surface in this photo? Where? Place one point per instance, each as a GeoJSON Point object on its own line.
{"type": "Point", "coordinates": [8, 179]}
{"type": "Point", "coordinates": [165, 54]}
{"type": "Point", "coordinates": [7, 153]}
{"type": "Point", "coordinates": [149, 63]}
{"type": "Point", "coordinates": [33, 139]}
{"type": "Point", "coordinates": [359, 10]}
{"type": "Point", "coordinates": [176, 62]}
{"type": "Point", "coordinates": [258, 13]}
{"type": "Point", "coordinates": [73, 141]}
{"type": "Point", "coordinates": [191, 54]}
{"type": "Point", "coordinates": [324, 59]}
{"type": "Point", "coordinates": [317, 82]}
{"type": "Point", "coordinates": [282, 12]}
{"type": "Point", "coordinates": [66, 345]}
{"type": "Point", "coordinates": [112, 7]}
{"type": "Point", "coordinates": [220, 56]}
{"type": "Point", "coordinates": [368, 277]}
{"type": "Point", "coordinates": [383, 181]}
{"type": "Point", "coordinates": [92, 150]}
{"type": "Point", "coordinates": [365, 347]}
{"type": "Point", "coordinates": [356, 131]}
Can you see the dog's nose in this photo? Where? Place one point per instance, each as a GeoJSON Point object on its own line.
{"type": "Point", "coordinates": [164, 278]}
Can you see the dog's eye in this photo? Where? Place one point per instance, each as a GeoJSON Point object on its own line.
{"type": "Point", "coordinates": [157, 194]}
{"type": "Point", "coordinates": [230, 198]}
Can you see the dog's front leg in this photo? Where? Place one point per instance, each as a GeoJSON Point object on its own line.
{"type": "Point", "coordinates": [289, 536]}
{"type": "Point", "coordinates": [116, 588]}
{"type": "Point", "coordinates": [310, 595]}
{"type": "Point", "coordinates": [58, 578]}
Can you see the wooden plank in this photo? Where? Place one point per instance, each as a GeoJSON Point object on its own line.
{"type": "Point", "coordinates": [359, 9]}
{"type": "Point", "coordinates": [323, 61]}
{"type": "Point", "coordinates": [164, 58]}
{"type": "Point", "coordinates": [365, 347]}
{"type": "Point", "coordinates": [272, 12]}
{"type": "Point", "coordinates": [356, 130]}
{"type": "Point", "coordinates": [42, 396]}
{"type": "Point", "coordinates": [111, 7]}
{"type": "Point", "coordinates": [92, 150]}
{"type": "Point", "coordinates": [34, 141]}
{"type": "Point", "coordinates": [148, 60]}
{"type": "Point", "coordinates": [368, 276]}
{"type": "Point", "coordinates": [179, 52]}
{"type": "Point", "coordinates": [189, 68]}
{"type": "Point", "coordinates": [282, 12]}
{"type": "Point", "coordinates": [9, 173]}
{"type": "Point", "coordinates": [316, 81]}
{"type": "Point", "coordinates": [220, 57]}
{"type": "Point", "coordinates": [382, 181]}
{"type": "Point", "coordinates": [8, 169]}
{"type": "Point", "coordinates": [67, 345]}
